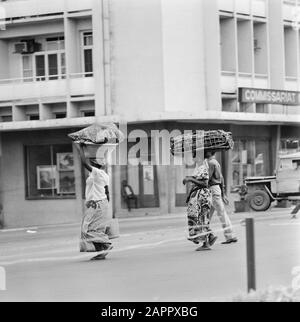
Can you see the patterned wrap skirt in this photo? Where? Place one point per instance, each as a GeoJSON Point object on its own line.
{"type": "Point", "coordinates": [198, 213]}
{"type": "Point", "coordinates": [95, 225]}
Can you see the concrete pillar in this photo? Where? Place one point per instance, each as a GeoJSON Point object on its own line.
{"type": "Point", "coordinates": [184, 73]}
{"type": "Point", "coordinates": [45, 112]}
{"type": "Point", "coordinates": [277, 56]}
{"type": "Point", "coordinates": [4, 67]}
{"type": "Point", "coordinates": [18, 113]}
{"type": "Point", "coordinates": [72, 110]}
{"type": "Point", "coordinates": [275, 146]}
{"type": "Point", "coordinates": [98, 60]}
{"type": "Point", "coordinates": [72, 45]}
{"type": "Point", "coordinates": [211, 47]}
{"type": "Point", "coordinates": [172, 188]}
{"type": "Point", "coordinates": [73, 65]}
{"type": "Point", "coordinates": [78, 183]}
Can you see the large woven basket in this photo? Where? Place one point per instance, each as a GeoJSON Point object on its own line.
{"type": "Point", "coordinates": [202, 140]}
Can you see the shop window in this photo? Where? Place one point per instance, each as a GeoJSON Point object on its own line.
{"type": "Point", "coordinates": [50, 171]}
{"type": "Point", "coordinates": [249, 158]}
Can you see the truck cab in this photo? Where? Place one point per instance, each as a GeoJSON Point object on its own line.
{"type": "Point", "coordinates": [285, 185]}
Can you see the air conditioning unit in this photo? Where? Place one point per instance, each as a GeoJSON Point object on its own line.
{"type": "Point", "coordinates": [21, 47]}
{"type": "Point", "coordinates": [27, 47]}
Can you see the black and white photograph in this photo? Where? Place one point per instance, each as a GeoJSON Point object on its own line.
{"type": "Point", "coordinates": [149, 154]}
{"type": "Point", "coordinates": [46, 177]}
{"type": "Point", "coordinates": [65, 161]}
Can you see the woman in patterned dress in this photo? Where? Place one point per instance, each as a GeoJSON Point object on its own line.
{"type": "Point", "coordinates": [198, 208]}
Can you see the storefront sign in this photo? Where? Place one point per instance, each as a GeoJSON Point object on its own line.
{"type": "Point", "coordinates": [268, 96]}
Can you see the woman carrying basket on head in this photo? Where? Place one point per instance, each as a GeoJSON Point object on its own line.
{"type": "Point", "coordinates": [198, 208]}
{"type": "Point", "coordinates": [96, 220]}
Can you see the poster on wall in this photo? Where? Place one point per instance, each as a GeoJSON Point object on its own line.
{"type": "Point", "coordinates": [148, 173]}
{"type": "Point", "coordinates": [46, 177]}
{"type": "Point", "coordinates": [65, 161]}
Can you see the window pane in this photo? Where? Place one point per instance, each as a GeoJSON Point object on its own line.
{"type": "Point", "coordinates": [52, 67]}
{"type": "Point", "coordinates": [88, 39]}
{"type": "Point", "coordinates": [61, 45]}
{"type": "Point", "coordinates": [262, 161]}
{"type": "Point", "coordinates": [27, 75]}
{"type": "Point", "coordinates": [88, 61]}
{"type": "Point", "coordinates": [27, 68]}
{"type": "Point", "coordinates": [40, 67]}
{"type": "Point", "coordinates": [52, 45]}
{"type": "Point", "coordinates": [27, 62]}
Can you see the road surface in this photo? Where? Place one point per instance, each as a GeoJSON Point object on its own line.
{"type": "Point", "coordinates": [152, 261]}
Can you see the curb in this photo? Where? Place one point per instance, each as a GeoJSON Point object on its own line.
{"type": "Point", "coordinates": [274, 213]}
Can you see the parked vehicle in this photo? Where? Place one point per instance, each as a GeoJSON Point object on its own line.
{"type": "Point", "coordinates": [285, 185]}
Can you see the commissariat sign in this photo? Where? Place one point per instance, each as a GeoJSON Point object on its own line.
{"type": "Point", "coordinates": [268, 96]}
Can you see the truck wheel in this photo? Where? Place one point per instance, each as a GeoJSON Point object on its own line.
{"type": "Point", "coordinates": [260, 200]}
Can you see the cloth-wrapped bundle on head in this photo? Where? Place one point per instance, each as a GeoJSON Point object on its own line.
{"type": "Point", "coordinates": [200, 140]}
{"type": "Point", "coordinates": [105, 133]}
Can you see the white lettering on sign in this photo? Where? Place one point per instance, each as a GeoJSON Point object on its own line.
{"type": "Point", "coordinates": [248, 95]}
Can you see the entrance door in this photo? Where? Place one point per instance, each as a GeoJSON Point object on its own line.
{"type": "Point", "coordinates": [141, 176]}
{"type": "Point", "coordinates": [143, 180]}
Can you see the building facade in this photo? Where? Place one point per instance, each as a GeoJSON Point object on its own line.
{"type": "Point", "coordinates": [154, 65]}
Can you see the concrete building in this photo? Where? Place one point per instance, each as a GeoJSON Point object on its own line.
{"type": "Point", "coordinates": [155, 65]}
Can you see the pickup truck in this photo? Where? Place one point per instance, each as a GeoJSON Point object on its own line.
{"type": "Point", "coordinates": [285, 185]}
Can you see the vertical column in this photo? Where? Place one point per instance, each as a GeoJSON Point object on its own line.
{"type": "Point", "coordinates": [4, 66]}
{"type": "Point", "coordinates": [211, 25]}
{"type": "Point", "coordinates": [72, 45]}
{"type": "Point", "coordinates": [163, 177]}
{"type": "Point", "coordinates": [78, 184]}
{"type": "Point", "coordinates": [277, 57]}
{"type": "Point", "coordinates": [98, 59]}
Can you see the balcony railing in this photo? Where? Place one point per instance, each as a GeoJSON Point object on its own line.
{"type": "Point", "coordinates": [43, 87]}
{"type": "Point", "coordinates": [43, 78]}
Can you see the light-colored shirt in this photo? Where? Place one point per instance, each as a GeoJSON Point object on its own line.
{"type": "Point", "coordinates": [95, 185]}
{"type": "Point", "coordinates": [215, 174]}
{"type": "Point", "coordinates": [128, 191]}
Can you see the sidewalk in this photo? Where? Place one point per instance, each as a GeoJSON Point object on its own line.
{"type": "Point", "coordinates": [273, 213]}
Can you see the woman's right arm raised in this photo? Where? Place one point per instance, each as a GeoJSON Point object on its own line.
{"type": "Point", "coordinates": [83, 158]}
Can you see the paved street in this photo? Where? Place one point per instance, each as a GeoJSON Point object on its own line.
{"type": "Point", "coordinates": [152, 261]}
